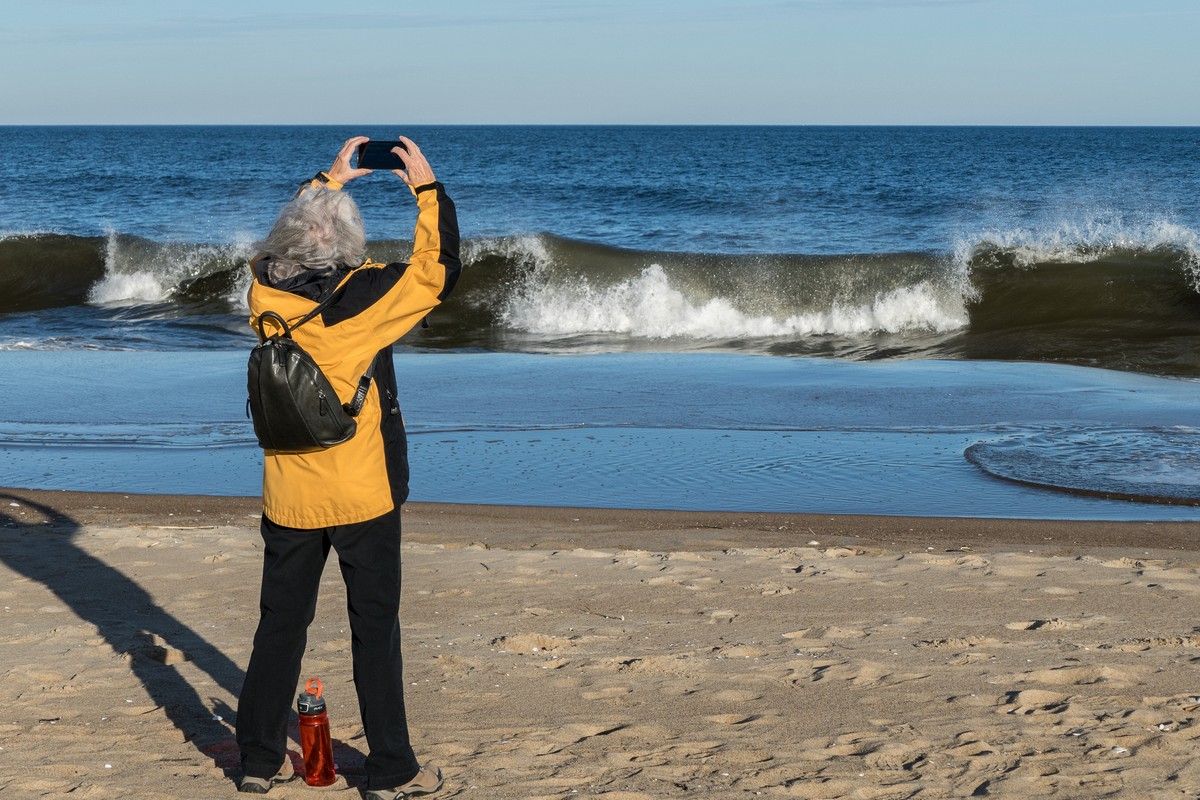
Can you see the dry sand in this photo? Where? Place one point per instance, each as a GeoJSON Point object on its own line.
{"type": "Point", "coordinates": [558, 653]}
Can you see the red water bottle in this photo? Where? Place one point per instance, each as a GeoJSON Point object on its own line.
{"type": "Point", "coordinates": [315, 743]}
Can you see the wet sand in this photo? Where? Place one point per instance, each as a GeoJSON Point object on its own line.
{"type": "Point", "coordinates": [555, 653]}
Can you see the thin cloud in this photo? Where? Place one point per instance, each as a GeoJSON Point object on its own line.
{"type": "Point", "coordinates": [199, 27]}
{"type": "Point", "coordinates": [888, 4]}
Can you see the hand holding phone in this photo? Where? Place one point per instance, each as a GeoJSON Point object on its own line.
{"type": "Point", "coordinates": [341, 171]}
{"type": "Point", "coordinates": [418, 173]}
{"type": "Point", "coordinates": [379, 155]}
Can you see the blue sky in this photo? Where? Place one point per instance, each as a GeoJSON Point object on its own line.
{"type": "Point", "coordinates": [1085, 62]}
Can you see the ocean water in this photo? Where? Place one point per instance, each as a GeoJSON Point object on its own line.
{"type": "Point", "coordinates": [652, 430]}
{"type": "Point", "coordinates": [612, 256]}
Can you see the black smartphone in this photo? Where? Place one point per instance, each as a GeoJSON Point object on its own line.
{"type": "Point", "coordinates": [379, 155]}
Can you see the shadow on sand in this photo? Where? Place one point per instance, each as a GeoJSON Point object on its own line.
{"type": "Point", "coordinates": [130, 621]}
{"type": "Point", "coordinates": [136, 626]}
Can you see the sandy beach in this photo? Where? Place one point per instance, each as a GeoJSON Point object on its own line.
{"type": "Point", "coordinates": [557, 653]}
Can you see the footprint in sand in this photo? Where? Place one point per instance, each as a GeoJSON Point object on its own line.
{"type": "Point", "coordinates": [1140, 645]}
{"type": "Point", "coordinates": [958, 643]}
{"type": "Point", "coordinates": [157, 649]}
{"type": "Point", "coordinates": [747, 755]}
{"type": "Point", "coordinates": [1044, 625]}
{"type": "Point", "coordinates": [896, 758]}
{"type": "Point", "coordinates": [531, 643]}
{"type": "Point", "coordinates": [683, 582]}
{"type": "Point", "coordinates": [735, 696]}
{"type": "Point", "coordinates": [840, 632]}
{"type": "Point", "coordinates": [45, 788]}
{"type": "Point", "coordinates": [580, 552]}
{"type": "Point", "coordinates": [610, 693]}
{"type": "Point", "coordinates": [537, 611]}
{"type": "Point", "coordinates": [971, 747]}
{"type": "Point", "coordinates": [842, 552]}
{"type": "Point", "coordinates": [672, 665]}
{"type": "Point", "coordinates": [1082, 676]}
{"type": "Point", "coordinates": [852, 744]}
{"type": "Point", "coordinates": [970, 562]}
{"type": "Point", "coordinates": [732, 719]}
{"type": "Point", "coordinates": [836, 789]}
{"type": "Point", "coordinates": [695, 558]}
{"type": "Point", "coordinates": [452, 666]}
{"type": "Point", "coordinates": [800, 634]}
{"type": "Point", "coordinates": [567, 735]}
{"type": "Point", "coordinates": [1118, 563]}
{"type": "Point", "coordinates": [858, 674]}
{"type": "Point", "coordinates": [1034, 702]}
{"type": "Point", "coordinates": [740, 651]}
{"type": "Point", "coordinates": [554, 663]}
{"type": "Point", "coordinates": [966, 659]}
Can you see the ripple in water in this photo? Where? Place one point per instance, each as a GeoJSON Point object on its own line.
{"type": "Point", "coordinates": [1158, 465]}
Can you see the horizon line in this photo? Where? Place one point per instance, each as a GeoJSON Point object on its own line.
{"type": "Point", "coordinates": [600, 124]}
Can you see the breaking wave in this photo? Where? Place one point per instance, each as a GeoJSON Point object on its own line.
{"type": "Point", "coordinates": [1098, 293]}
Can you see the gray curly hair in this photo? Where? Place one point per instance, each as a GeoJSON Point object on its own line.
{"type": "Point", "coordinates": [318, 230]}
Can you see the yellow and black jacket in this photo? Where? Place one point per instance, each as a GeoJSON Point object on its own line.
{"type": "Point", "coordinates": [373, 305]}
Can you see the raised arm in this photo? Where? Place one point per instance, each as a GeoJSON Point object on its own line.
{"type": "Point", "coordinates": [386, 302]}
{"type": "Point", "coordinates": [341, 172]}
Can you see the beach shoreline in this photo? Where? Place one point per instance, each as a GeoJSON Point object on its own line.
{"type": "Point", "coordinates": [553, 527]}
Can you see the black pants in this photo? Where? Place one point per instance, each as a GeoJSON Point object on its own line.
{"type": "Point", "coordinates": [369, 554]}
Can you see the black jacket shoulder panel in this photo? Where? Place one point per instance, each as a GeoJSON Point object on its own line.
{"type": "Point", "coordinates": [364, 289]}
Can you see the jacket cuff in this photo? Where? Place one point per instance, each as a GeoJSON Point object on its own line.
{"type": "Point", "coordinates": [322, 178]}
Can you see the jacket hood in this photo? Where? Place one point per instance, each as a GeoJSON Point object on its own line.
{"type": "Point", "coordinates": [291, 276]}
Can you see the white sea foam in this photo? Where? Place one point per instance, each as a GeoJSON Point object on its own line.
{"type": "Point", "coordinates": [923, 307]}
{"type": "Point", "coordinates": [137, 271]}
{"type": "Point", "coordinates": [122, 289]}
{"type": "Point", "coordinates": [526, 252]}
{"type": "Point", "coordinates": [29, 233]}
{"type": "Point", "coordinates": [242, 249]}
{"type": "Point", "coordinates": [59, 343]}
{"type": "Point", "coordinates": [651, 306]}
{"type": "Point", "coordinates": [126, 283]}
{"type": "Point", "coordinates": [1091, 239]}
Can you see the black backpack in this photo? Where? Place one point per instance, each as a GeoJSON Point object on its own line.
{"type": "Point", "coordinates": [292, 404]}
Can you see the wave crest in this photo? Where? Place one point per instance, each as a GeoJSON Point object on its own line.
{"type": "Point", "coordinates": [1096, 238]}
{"type": "Point", "coordinates": [651, 305]}
{"type": "Point", "coordinates": [138, 271]}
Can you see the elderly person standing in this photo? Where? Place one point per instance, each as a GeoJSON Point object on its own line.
{"type": "Point", "coordinates": [348, 496]}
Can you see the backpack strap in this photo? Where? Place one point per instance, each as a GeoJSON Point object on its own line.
{"type": "Point", "coordinates": [360, 395]}
{"type": "Point", "coordinates": [364, 383]}
{"type": "Point", "coordinates": [321, 306]}
{"type": "Point", "coordinates": [282, 323]}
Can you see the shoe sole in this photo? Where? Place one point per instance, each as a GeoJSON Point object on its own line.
{"type": "Point", "coordinates": [375, 795]}
{"type": "Point", "coordinates": [262, 788]}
